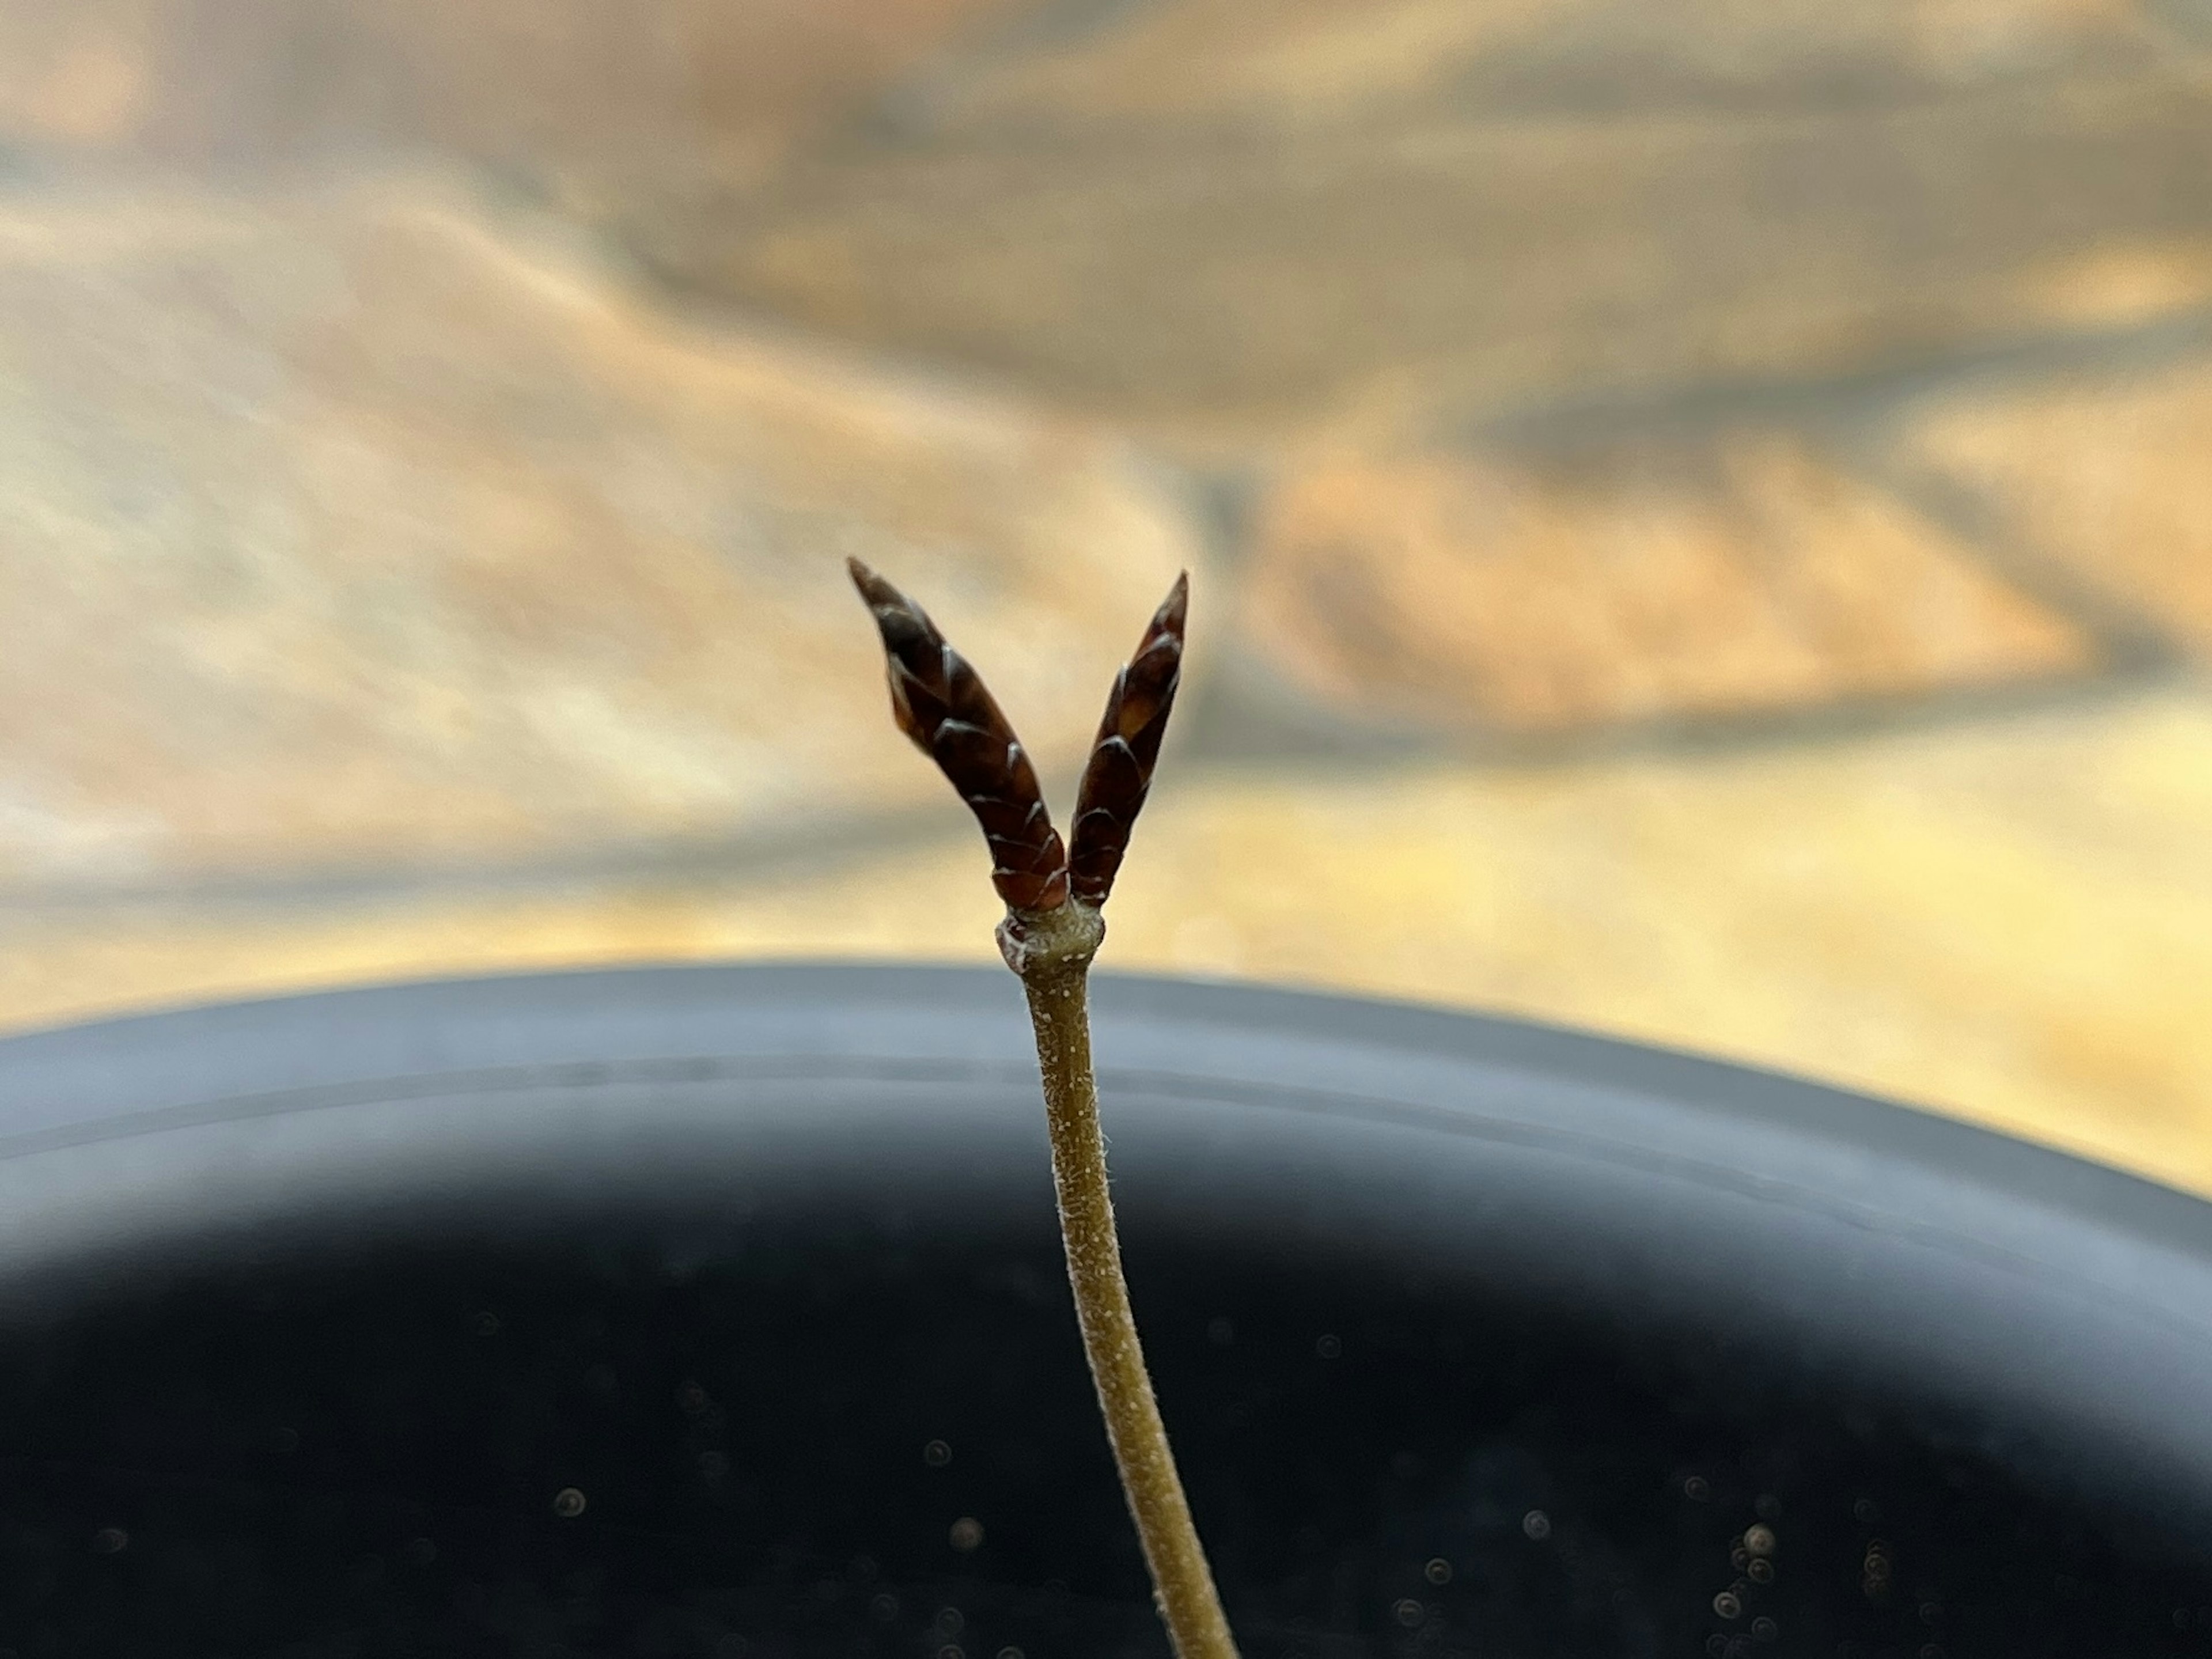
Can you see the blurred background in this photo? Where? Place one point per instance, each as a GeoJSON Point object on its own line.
{"type": "Point", "coordinates": [1701, 513]}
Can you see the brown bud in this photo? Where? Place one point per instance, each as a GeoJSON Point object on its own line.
{"type": "Point", "coordinates": [941, 703]}
{"type": "Point", "coordinates": [1120, 774]}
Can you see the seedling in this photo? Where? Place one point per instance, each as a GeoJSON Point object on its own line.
{"type": "Point", "coordinates": [1053, 928]}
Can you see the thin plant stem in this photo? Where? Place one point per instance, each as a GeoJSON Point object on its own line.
{"type": "Point", "coordinates": [1054, 891]}
{"type": "Point", "coordinates": [1184, 1584]}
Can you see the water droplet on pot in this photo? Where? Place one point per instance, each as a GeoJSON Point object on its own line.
{"type": "Point", "coordinates": [1010, 1653]}
{"type": "Point", "coordinates": [1760, 1570]}
{"type": "Point", "coordinates": [1931, 1651]}
{"type": "Point", "coordinates": [1438, 1571]}
{"type": "Point", "coordinates": [1765, 1629]}
{"type": "Point", "coordinates": [1697, 1489]}
{"type": "Point", "coordinates": [487, 1323]}
{"type": "Point", "coordinates": [110, 1540]}
{"type": "Point", "coordinates": [1727, 1606]}
{"type": "Point", "coordinates": [732, 1646]}
{"type": "Point", "coordinates": [691, 1399]}
{"type": "Point", "coordinates": [1408, 1612]}
{"type": "Point", "coordinates": [1759, 1540]}
{"type": "Point", "coordinates": [885, 1607]}
{"type": "Point", "coordinates": [1866, 1512]}
{"type": "Point", "coordinates": [952, 1650]}
{"type": "Point", "coordinates": [1328, 1347]}
{"type": "Point", "coordinates": [1537, 1525]}
{"type": "Point", "coordinates": [1768, 1505]}
{"type": "Point", "coordinates": [949, 1621]}
{"type": "Point", "coordinates": [967, 1533]}
{"type": "Point", "coordinates": [569, 1503]}
{"type": "Point", "coordinates": [937, 1453]}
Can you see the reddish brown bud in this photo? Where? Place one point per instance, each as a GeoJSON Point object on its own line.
{"type": "Point", "coordinates": [1120, 774]}
{"type": "Point", "coordinates": [941, 703]}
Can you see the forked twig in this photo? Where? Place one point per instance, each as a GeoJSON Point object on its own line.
{"type": "Point", "coordinates": [1051, 932]}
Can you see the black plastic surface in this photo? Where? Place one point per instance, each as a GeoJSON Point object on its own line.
{"type": "Point", "coordinates": [317, 1307]}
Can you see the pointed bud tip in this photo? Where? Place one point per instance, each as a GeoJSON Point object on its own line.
{"type": "Point", "coordinates": [873, 588]}
{"type": "Point", "coordinates": [1176, 608]}
{"type": "Point", "coordinates": [899, 618]}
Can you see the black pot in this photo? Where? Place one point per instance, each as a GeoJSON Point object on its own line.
{"type": "Point", "coordinates": [720, 1311]}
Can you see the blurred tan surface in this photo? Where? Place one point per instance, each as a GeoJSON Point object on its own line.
{"type": "Point", "coordinates": [1637, 583]}
{"type": "Point", "coordinates": [2106, 478]}
{"type": "Point", "coordinates": [680, 88]}
{"type": "Point", "coordinates": [1698, 515]}
{"type": "Point", "coordinates": [1217, 233]}
{"type": "Point", "coordinates": [363, 535]}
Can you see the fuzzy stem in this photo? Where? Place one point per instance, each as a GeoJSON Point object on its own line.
{"type": "Point", "coordinates": [1053, 955]}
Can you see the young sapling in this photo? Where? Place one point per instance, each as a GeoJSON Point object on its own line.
{"type": "Point", "coordinates": [1053, 928]}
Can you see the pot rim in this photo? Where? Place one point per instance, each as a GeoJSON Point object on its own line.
{"type": "Point", "coordinates": [2070, 1300]}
